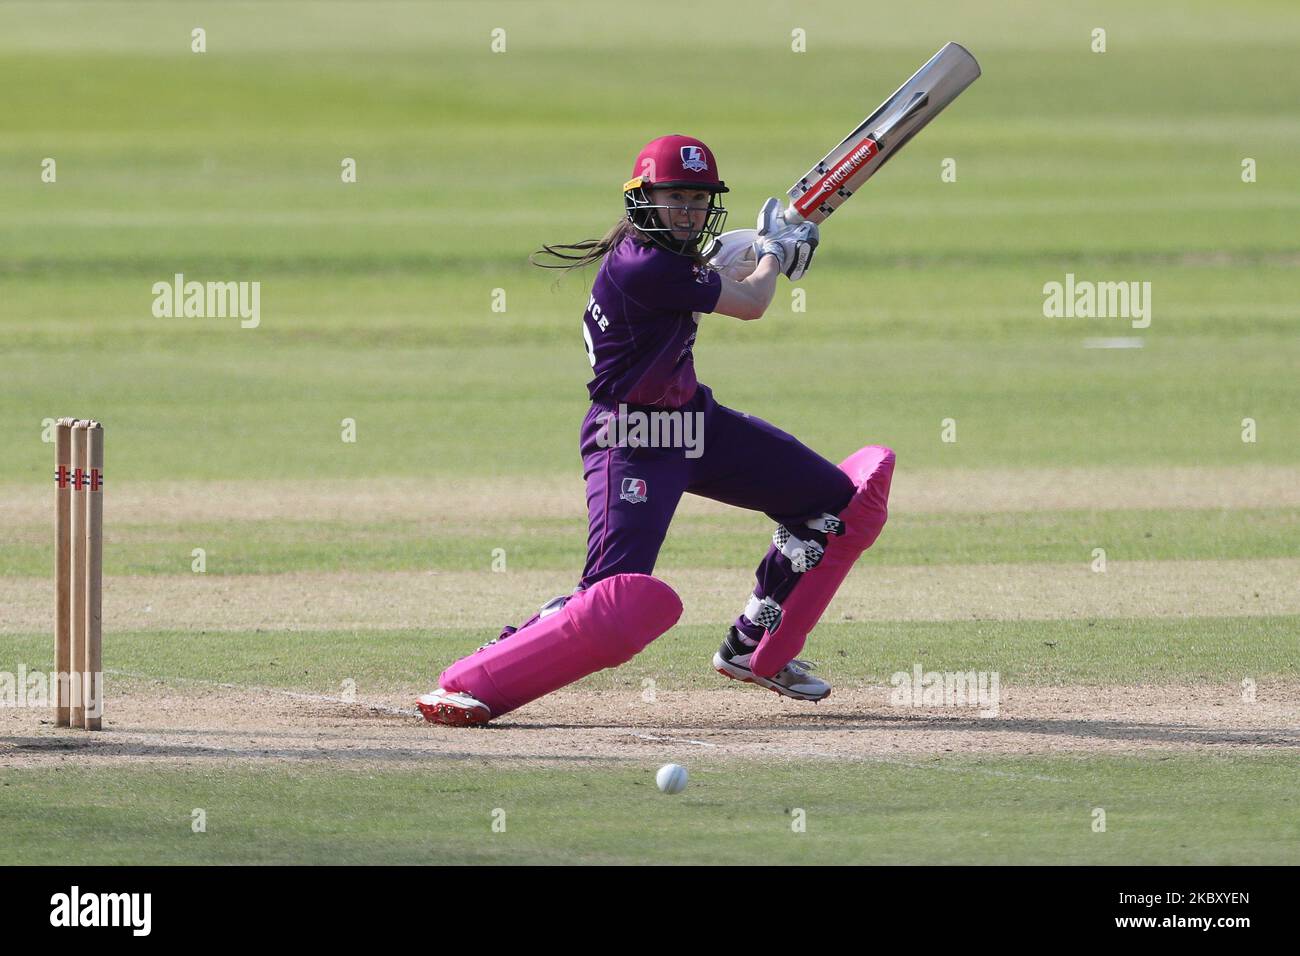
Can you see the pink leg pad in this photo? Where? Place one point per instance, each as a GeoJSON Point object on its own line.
{"type": "Point", "coordinates": [606, 625]}
{"type": "Point", "coordinates": [872, 469]}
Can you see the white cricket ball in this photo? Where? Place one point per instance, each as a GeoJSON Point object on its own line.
{"type": "Point", "coordinates": [671, 778]}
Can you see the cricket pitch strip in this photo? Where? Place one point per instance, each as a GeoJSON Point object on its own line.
{"type": "Point", "coordinates": [194, 723]}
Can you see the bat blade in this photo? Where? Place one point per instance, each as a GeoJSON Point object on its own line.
{"type": "Point", "coordinates": [822, 190]}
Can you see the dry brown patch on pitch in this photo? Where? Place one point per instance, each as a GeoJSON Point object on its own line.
{"type": "Point", "coordinates": [186, 723]}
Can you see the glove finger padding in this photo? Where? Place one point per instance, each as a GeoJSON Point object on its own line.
{"type": "Point", "coordinates": [770, 222]}
{"type": "Point", "coordinates": [793, 246]}
{"type": "Point", "coordinates": [805, 239]}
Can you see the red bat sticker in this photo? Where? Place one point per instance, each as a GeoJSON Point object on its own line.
{"type": "Point", "coordinates": [850, 164]}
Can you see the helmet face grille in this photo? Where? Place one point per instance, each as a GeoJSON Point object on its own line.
{"type": "Point", "coordinates": [642, 213]}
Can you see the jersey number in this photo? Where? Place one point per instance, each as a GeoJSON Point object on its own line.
{"type": "Point", "coordinates": [591, 346]}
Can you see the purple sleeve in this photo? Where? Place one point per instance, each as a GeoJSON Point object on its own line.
{"type": "Point", "coordinates": [695, 291]}
{"type": "Point", "coordinates": [676, 284]}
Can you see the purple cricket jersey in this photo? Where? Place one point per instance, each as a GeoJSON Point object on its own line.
{"type": "Point", "coordinates": [639, 327]}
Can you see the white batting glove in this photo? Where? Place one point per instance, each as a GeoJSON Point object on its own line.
{"type": "Point", "coordinates": [793, 246]}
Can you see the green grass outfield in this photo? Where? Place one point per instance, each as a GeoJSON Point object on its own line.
{"type": "Point", "coordinates": [553, 544]}
{"type": "Point", "coordinates": [924, 304]}
{"type": "Point", "coordinates": [1177, 810]}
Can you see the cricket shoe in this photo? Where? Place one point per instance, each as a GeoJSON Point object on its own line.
{"type": "Point", "coordinates": [793, 680]}
{"type": "Point", "coordinates": [453, 707]}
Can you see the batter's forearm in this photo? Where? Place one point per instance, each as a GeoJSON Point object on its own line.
{"type": "Point", "coordinates": [763, 281]}
{"type": "Point", "coordinates": [748, 299]}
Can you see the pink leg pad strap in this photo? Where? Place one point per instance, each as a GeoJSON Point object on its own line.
{"type": "Point", "coordinates": [603, 626]}
{"type": "Point", "coordinates": [871, 469]}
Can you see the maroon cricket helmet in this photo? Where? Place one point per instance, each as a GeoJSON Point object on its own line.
{"type": "Point", "coordinates": [680, 161]}
{"type": "Point", "coordinates": [677, 161]}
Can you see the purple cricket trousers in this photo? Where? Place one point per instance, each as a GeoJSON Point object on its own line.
{"type": "Point", "coordinates": [632, 492]}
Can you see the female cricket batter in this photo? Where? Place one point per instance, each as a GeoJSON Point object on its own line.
{"type": "Point", "coordinates": [639, 328]}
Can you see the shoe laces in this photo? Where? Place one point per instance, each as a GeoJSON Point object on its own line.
{"type": "Point", "coordinates": [800, 668]}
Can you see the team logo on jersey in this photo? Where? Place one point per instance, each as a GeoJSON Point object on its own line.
{"type": "Point", "coordinates": [693, 159]}
{"type": "Point", "coordinates": [634, 490]}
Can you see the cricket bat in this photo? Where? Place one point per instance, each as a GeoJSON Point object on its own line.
{"type": "Point", "coordinates": [842, 171]}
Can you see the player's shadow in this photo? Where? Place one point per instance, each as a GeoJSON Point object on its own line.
{"type": "Point", "coordinates": [1104, 729]}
